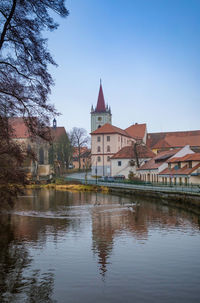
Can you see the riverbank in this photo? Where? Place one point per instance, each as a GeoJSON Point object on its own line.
{"type": "Point", "coordinates": [190, 202]}
{"type": "Point", "coordinates": [70, 187]}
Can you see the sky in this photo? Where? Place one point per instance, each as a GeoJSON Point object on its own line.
{"type": "Point", "coordinates": [147, 53]}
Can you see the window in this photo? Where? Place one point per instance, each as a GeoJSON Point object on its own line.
{"type": "Point", "coordinates": [99, 118]}
{"type": "Point", "coordinates": [99, 126]}
{"type": "Point", "coordinates": [41, 156]}
{"type": "Point", "coordinates": [119, 163]}
{"type": "Point", "coordinates": [99, 159]}
{"type": "Point", "coordinates": [108, 148]}
{"type": "Point", "coordinates": [108, 158]}
{"type": "Point", "coordinates": [98, 139]}
{"type": "Point", "coordinates": [190, 164]}
{"type": "Point", "coordinates": [179, 165]}
{"type": "Point", "coordinates": [108, 138]}
{"type": "Point", "coordinates": [98, 148]}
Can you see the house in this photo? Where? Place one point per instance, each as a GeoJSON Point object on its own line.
{"type": "Point", "coordinates": [128, 158]}
{"type": "Point", "coordinates": [85, 158]}
{"type": "Point", "coordinates": [182, 170]}
{"type": "Point", "coordinates": [105, 142]}
{"type": "Point", "coordinates": [151, 170]}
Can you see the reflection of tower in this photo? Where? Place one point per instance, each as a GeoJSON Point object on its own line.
{"type": "Point", "coordinates": [102, 241]}
{"type": "Point", "coordinates": [102, 113]}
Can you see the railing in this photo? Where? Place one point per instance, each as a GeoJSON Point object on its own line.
{"type": "Point", "coordinates": [160, 187]}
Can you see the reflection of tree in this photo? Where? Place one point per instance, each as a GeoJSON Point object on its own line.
{"type": "Point", "coordinates": [14, 261]}
{"type": "Point", "coordinates": [40, 290]}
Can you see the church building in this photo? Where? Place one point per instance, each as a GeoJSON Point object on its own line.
{"type": "Point", "coordinates": [107, 139]}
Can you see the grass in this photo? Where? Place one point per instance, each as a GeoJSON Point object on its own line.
{"type": "Point", "coordinates": [71, 187]}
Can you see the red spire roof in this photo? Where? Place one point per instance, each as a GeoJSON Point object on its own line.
{"type": "Point", "coordinates": [101, 102]}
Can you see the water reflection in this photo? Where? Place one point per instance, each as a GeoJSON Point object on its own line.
{"type": "Point", "coordinates": [17, 282]}
{"type": "Point", "coordinates": [76, 224]}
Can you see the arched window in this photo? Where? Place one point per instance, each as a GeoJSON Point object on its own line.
{"type": "Point", "coordinates": [41, 155]}
{"type": "Point", "coordinates": [98, 148]}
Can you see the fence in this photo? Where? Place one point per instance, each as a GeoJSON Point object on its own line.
{"type": "Point", "coordinates": [159, 187]}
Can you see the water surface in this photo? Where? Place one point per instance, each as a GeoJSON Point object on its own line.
{"type": "Point", "coordinates": [93, 247]}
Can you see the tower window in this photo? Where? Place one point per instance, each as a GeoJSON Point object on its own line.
{"type": "Point", "coordinates": [99, 118]}
{"type": "Point", "coordinates": [98, 139]}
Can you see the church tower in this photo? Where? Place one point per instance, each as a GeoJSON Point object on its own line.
{"type": "Point", "coordinates": [102, 113]}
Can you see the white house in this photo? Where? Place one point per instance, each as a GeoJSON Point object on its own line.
{"type": "Point", "coordinates": [128, 158]}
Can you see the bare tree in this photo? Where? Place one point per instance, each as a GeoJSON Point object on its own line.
{"type": "Point", "coordinates": [79, 139]}
{"type": "Point", "coordinates": [25, 82]}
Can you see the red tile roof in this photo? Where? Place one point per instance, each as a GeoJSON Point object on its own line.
{"type": "Point", "coordinates": [128, 152]}
{"type": "Point", "coordinates": [82, 150]}
{"type": "Point", "coordinates": [101, 102]}
{"type": "Point", "coordinates": [136, 130]}
{"type": "Point", "coordinates": [180, 171]}
{"type": "Point", "coordinates": [110, 129]}
{"type": "Point", "coordinates": [189, 157]}
{"type": "Point", "coordinates": [20, 130]}
{"type": "Point", "coordinates": [174, 139]}
{"type": "Point", "coordinates": [166, 154]}
{"type": "Point", "coordinates": [161, 144]}
{"type": "Point", "coordinates": [58, 132]}
{"type": "Point", "coordinates": [150, 165]}
{"type": "Point", "coordinates": [158, 160]}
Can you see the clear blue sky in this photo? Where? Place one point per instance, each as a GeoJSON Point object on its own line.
{"type": "Point", "coordinates": [147, 53]}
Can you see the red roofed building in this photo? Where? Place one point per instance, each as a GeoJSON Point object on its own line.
{"type": "Point", "coordinates": [105, 142]}
{"type": "Point", "coordinates": [182, 170]}
{"type": "Point", "coordinates": [168, 140]}
{"type": "Point", "coordinates": [85, 158]}
{"type": "Point", "coordinates": [128, 158]}
{"type": "Point", "coordinates": [151, 170]}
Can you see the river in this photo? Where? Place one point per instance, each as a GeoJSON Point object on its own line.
{"type": "Point", "coordinates": [71, 247]}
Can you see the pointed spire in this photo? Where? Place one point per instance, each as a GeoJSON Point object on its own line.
{"type": "Point", "coordinates": [100, 102]}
